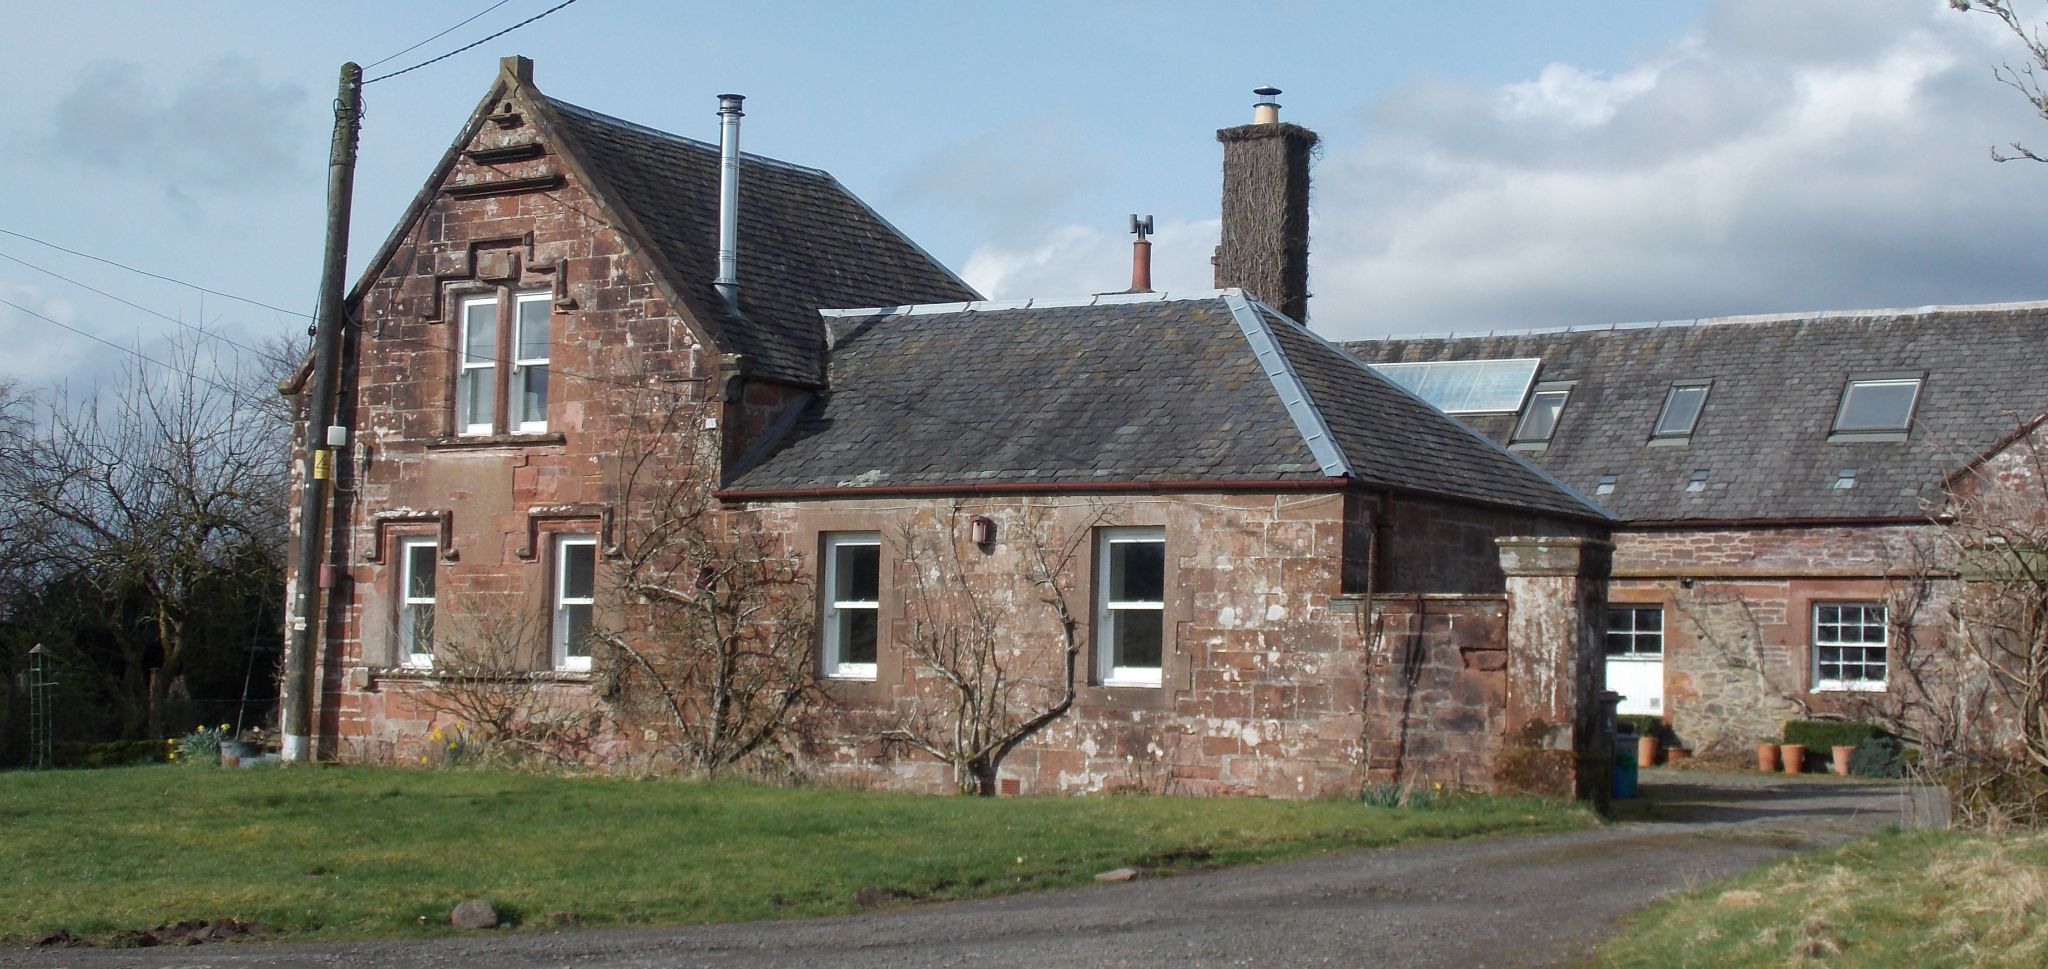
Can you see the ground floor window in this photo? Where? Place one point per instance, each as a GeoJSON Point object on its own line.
{"type": "Point", "coordinates": [575, 598]}
{"type": "Point", "coordinates": [416, 560]}
{"type": "Point", "coordinates": [1851, 644]}
{"type": "Point", "coordinates": [1130, 597]}
{"type": "Point", "coordinates": [1635, 632]}
{"type": "Point", "coordinates": [853, 594]}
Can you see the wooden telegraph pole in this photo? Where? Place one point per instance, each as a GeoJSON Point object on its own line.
{"type": "Point", "coordinates": [305, 611]}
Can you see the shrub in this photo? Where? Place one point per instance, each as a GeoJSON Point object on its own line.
{"type": "Point", "coordinates": [1821, 735]}
{"type": "Point", "coordinates": [201, 746]}
{"type": "Point", "coordinates": [1882, 755]}
{"type": "Point", "coordinates": [1642, 725]}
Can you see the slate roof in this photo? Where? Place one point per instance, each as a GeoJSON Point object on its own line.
{"type": "Point", "coordinates": [1764, 435]}
{"type": "Point", "coordinates": [805, 242]}
{"type": "Point", "coordinates": [1154, 388]}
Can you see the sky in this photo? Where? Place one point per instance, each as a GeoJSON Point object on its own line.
{"type": "Point", "coordinates": [1488, 165]}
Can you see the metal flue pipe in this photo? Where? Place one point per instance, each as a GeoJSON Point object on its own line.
{"type": "Point", "coordinates": [729, 115]}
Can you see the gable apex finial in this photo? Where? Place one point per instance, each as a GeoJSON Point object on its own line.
{"type": "Point", "coordinates": [516, 69]}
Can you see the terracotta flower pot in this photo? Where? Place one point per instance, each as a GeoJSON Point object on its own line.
{"type": "Point", "coordinates": [1673, 755]}
{"type": "Point", "coordinates": [1795, 757]}
{"type": "Point", "coordinates": [1842, 755]}
{"type": "Point", "coordinates": [1767, 757]}
{"type": "Point", "coordinates": [1646, 752]}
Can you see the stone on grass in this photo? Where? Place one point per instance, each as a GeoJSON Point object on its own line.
{"type": "Point", "coordinates": [1117, 875]}
{"type": "Point", "coordinates": [474, 914]}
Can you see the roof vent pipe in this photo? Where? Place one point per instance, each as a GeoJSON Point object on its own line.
{"type": "Point", "coordinates": [729, 115]}
{"type": "Point", "coordinates": [1266, 110]}
{"type": "Point", "coordinates": [1141, 254]}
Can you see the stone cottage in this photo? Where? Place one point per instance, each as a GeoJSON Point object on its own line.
{"type": "Point", "coordinates": [1780, 481]}
{"type": "Point", "coordinates": [1248, 564]}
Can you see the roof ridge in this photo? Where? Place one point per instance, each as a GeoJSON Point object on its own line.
{"type": "Point", "coordinates": [1932, 309]}
{"type": "Point", "coordinates": [707, 146]}
{"type": "Point", "coordinates": [1294, 395]}
{"type": "Point", "coordinates": [1467, 429]}
{"type": "Point", "coordinates": [1039, 302]}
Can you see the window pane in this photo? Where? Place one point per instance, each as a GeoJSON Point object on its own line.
{"type": "Point", "coordinates": [1541, 420]}
{"type": "Point", "coordinates": [857, 573]}
{"type": "Point", "coordinates": [576, 630]}
{"type": "Point", "coordinates": [579, 565]}
{"type": "Point", "coordinates": [1137, 572]}
{"type": "Point", "coordinates": [419, 571]}
{"type": "Point", "coordinates": [476, 397]}
{"type": "Point", "coordinates": [1681, 410]}
{"type": "Point", "coordinates": [1137, 637]}
{"type": "Point", "coordinates": [1650, 620]}
{"type": "Point", "coordinates": [416, 628]}
{"type": "Point", "coordinates": [480, 332]}
{"type": "Point", "coordinates": [857, 635]}
{"type": "Point", "coordinates": [533, 394]}
{"type": "Point", "coordinates": [533, 329]}
{"type": "Point", "coordinates": [1877, 405]}
{"type": "Point", "coordinates": [1617, 644]}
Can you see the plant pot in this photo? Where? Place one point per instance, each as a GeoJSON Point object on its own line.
{"type": "Point", "coordinates": [1767, 757]}
{"type": "Point", "coordinates": [1646, 752]}
{"type": "Point", "coordinates": [1673, 755]}
{"type": "Point", "coordinates": [1795, 757]}
{"type": "Point", "coordinates": [233, 752]}
{"type": "Point", "coordinates": [1842, 755]}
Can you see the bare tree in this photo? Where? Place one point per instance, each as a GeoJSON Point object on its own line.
{"type": "Point", "coordinates": [2026, 78]}
{"type": "Point", "coordinates": [497, 710]}
{"type": "Point", "coordinates": [152, 493]}
{"type": "Point", "coordinates": [986, 678]}
{"type": "Point", "coordinates": [716, 614]}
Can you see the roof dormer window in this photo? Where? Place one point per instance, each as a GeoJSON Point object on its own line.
{"type": "Point", "coordinates": [1681, 413]}
{"type": "Point", "coordinates": [1877, 405]}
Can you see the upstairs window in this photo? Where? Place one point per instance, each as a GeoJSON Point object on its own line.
{"type": "Point", "coordinates": [416, 561]}
{"type": "Point", "coordinates": [1681, 413]}
{"type": "Point", "coordinates": [1539, 422]}
{"type": "Point", "coordinates": [575, 599]}
{"type": "Point", "coordinates": [853, 604]}
{"type": "Point", "coordinates": [491, 335]}
{"type": "Point", "coordinates": [1130, 606]}
{"type": "Point", "coordinates": [1877, 405]}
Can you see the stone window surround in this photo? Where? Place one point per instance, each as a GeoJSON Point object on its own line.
{"type": "Point", "coordinates": [1802, 596]}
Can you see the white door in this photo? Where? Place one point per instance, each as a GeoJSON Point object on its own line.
{"type": "Point", "coordinates": [1635, 657]}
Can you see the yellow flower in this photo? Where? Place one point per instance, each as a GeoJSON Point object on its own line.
{"type": "Point", "coordinates": [423, 758]}
{"type": "Point", "coordinates": [458, 725]}
{"type": "Point", "coordinates": [434, 734]}
{"type": "Point", "coordinates": [224, 727]}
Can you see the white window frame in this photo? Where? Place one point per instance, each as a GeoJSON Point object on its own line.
{"type": "Point", "coordinates": [1862, 685]}
{"type": "Point", "coordinates": [1634, 633]}
{"type": "Point", "coordinates": [836, 608]}
{"type": "Point", "coordinates": [517, 389]}
{"type": "Point", "coordinates": [469, 368]}
{"type": "Point", "coordinates": [1106, 669]}
{"type": "Point", "coordinates": [563, 602]}
{"type": "Point", "coordinates": [407, 628]}
{"type": "Point", "coordinates": [1523, 433]}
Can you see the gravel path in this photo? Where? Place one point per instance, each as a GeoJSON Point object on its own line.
{"type": "Point", "coordinates": [1526, 901]}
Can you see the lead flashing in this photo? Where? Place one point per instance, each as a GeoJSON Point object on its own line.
{"type": "Point", "coordinates": [1315, 431]}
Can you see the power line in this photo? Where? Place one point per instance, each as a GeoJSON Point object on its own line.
{"type": "Point", "coordinates": [223, 388]}
{"type": "Point", "coordinates": [480, 43]}
{"type": "Point", "coordinates": [202, 331]}
{"type": "Point", "coordinates": [144, 272]}
{"type": "Point", "coordinates": [440, 35]}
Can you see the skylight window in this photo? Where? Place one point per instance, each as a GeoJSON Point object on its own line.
{"type": "Point", "coordinates": [1698, 481]}
{"type": "Point", "coordinates": [1681, 410]}
{"type": "Point", "coordinates": [1466, 386]}
{"type": "Point", "coordinates": [1845, 478]}
{"type": "Point", "coordinates": [1539, 422]}
{"type": "Point", "coordinates": [1877, 404]}
{"type": "Point", "coordinates": [1606, 484]}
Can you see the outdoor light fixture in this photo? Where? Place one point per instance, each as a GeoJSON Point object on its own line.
{"type": "Point", "coordinates": [981, 529]}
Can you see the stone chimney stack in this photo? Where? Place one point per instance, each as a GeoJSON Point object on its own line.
{"type": "Point", "coordinates": [1264, 249]}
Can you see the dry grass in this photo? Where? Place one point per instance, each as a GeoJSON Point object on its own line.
{"type": "Point", "coordinates": [1927, 899]}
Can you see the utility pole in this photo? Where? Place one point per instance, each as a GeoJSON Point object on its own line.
{"type": "Point", "coordinates": [305, 609]}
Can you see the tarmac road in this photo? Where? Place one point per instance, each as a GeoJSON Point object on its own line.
{"type": "Point", "coordinates": [1522, 901]}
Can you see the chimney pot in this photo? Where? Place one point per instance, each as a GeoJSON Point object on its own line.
{"type": "Point", "coordinates": [1141, 254]}
{"type": "Point", "coordinates": [1267, 109]}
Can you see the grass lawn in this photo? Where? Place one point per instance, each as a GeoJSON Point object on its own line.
{"type": "Point", "coordinates": [1919, 900]}
{"type": "Point", "coordinates": [347, 852]}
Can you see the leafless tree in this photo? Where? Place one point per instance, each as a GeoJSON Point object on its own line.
{"type": "Point", "coordinates": [2026, 78]}
{"type": "Point", "coordinates": [494, 707]}
{"type": "Point", "coordinates": [161, 485]}
{"type": "Point", "coordinates": [986, 677]}
{"type": "Point", "coordinates": [715, 623]}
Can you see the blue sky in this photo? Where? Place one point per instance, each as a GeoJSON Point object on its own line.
{"type": "Point", "coordinates": [1485, 164]}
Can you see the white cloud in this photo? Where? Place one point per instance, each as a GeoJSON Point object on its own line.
{"type": "Point", "coordinates": [39, 352]}
{"type": "Point", "coordinates": [1572, 95]}
{"type": "Point", "coordinates": [1075, 260]}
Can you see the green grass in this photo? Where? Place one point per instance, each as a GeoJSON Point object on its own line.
{"type": "Point", "coordinates": [351, 852]}
{"type": "Point", "coordinates": [1920, 900]}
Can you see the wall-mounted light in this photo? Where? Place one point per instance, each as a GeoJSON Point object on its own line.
{"type": "Point", "coordinates": [981, 530]}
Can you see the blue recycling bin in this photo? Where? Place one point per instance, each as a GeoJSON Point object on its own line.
{"type": "Point", "coordinates": [1624, 773]}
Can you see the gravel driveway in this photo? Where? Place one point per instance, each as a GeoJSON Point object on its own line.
{"type": "Point", "coordinates": [1522, 901]}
